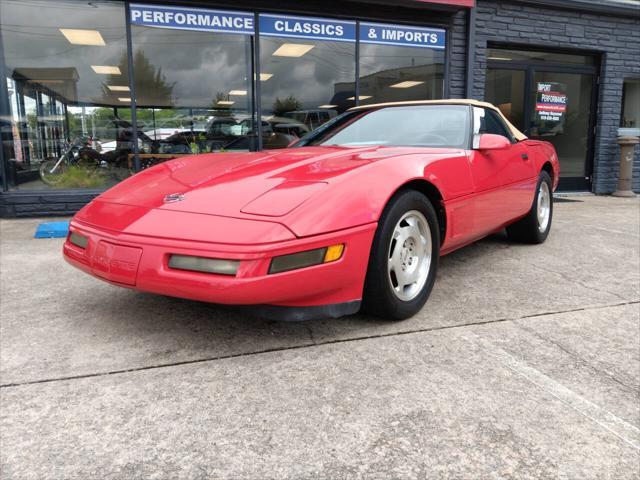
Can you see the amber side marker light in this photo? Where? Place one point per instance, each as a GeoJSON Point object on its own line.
{"type": "Point", "coordinates": [78, 240]}
{"type": "Point", "coordinates": [203, 264]}
{"type": "Point", "coordinates": [307, 258]}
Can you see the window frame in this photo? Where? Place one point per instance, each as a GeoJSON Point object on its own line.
{"type": "Point", "coordinates": [476, 125]}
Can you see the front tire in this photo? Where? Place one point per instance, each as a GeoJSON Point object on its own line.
{"type": "Point", "coordinates": [404, 257]}
{"type": "Point", "coordinates": [535, 226]}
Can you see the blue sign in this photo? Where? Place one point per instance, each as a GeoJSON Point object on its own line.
{"type": "Point", "coordinates": [307, 27]}
{"type": "Point", "coordinates": [402, 35]}
{"type": "Point", "coordinates": [199, 19]}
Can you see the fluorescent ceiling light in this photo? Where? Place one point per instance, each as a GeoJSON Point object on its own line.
{"type": "Point", "coordinates": [327, 106]}
{"type": "Point", "coordinates": [124, 99]}
{"type": "Point", "coordinates": [46, 81]}
{"type": "Point", "coordinates": [238, 92]}
{"type": "Point", "coordinates": [292, 50]}
{"type": "Point", "coordinates": [498, 58]}
{"type": "Point", "coordinates": [407, 84]}
{"type": "Point", "coordinates": [360, 97]}
{"type": "Point", "coordinates": [225, 102]}
{"type": "Point", "coordinates": [106, 70]}
{"type": "Point", "coordinates": [83, 37]}
{"type": "Point", "coordinates": [265, 76]}
{"type": "Point", "coordinates": [118, 88]}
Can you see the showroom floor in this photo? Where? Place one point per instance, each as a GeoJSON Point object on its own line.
{"type": "Point", "coordinates": [525, 363]}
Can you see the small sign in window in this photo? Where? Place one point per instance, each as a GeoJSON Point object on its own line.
{"type": "Point", "coordinates": [551, 107]}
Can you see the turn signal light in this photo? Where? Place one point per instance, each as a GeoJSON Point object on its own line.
{"type": "Point", "coordinates": [307, 258]}
{"type": "Point", "coordinates": [78, 240]}
{"type": "Point", "coordinates": [203, 264]}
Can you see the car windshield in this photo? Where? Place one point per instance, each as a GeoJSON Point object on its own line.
{"type": "Point", "coordinates": [407, 126]}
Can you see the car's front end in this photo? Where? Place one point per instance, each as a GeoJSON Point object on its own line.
{"type": "Point", "coordinates": [221, 259]}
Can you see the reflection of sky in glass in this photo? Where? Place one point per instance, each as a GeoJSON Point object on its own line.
{"type": "Point", "coordinates": [312, 78]}
{"type": "Point", "coordinates": [201, 66]}
{"type": "Point", "coordinates": [382, 66]}
{"type": "Point", "coordinates": [32, 39]}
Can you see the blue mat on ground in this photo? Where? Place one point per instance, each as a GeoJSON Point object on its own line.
{"type": "Point", "coordinates": [52, 230]}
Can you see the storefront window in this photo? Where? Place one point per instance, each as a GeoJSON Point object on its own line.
{"type": "Point", "coordinates": [193, 87]}
{"type": "Point", "coordinates": [399, 63]}
{"type": "Point", "coordinates": [61, 73]}
{"type": "Point", "coordinates": [307, 74]}
{"type": "Point", "coordinates": [193, 78]}
{"type": "Point", "coordinates": [506, 55]}
{"type": "Point", "coordinates": [631, 105]}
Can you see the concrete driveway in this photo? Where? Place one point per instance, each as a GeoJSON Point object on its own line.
{"type": "Point", "coordinates": [525, 363]}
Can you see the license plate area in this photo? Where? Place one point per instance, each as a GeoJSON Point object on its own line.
{"type": "Point", "coordinates": [116, 263]}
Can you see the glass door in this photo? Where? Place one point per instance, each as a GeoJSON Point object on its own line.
{"type": "Point", "coordinates": [505, 88]}
{"type": "Point", "coordinates": [549, 96]}
{"type": "Point", "coordinates": [560, 112]}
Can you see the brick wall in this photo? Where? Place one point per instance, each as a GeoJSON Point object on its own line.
{"type": "Point", "coordinates": [617, 39]}
{"type": "Point", "coordinates": [458, 54]}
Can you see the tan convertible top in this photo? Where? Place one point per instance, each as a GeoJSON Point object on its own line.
{"type": "Point", "coordinates": [518, 135]}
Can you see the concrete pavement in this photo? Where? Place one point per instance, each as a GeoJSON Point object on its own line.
{"type": "Point", "coordinates": [525, 363]}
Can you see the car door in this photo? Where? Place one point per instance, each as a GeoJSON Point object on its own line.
{"type": "Point", "coordinates": [497, 174]}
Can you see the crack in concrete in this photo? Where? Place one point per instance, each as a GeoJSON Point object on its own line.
{"type": "Point", "coordinates": [306, 345]}
{"type": "Point", "coordinates": [580, 359]}
{"type": "Point", "coordinates": [571, 279]}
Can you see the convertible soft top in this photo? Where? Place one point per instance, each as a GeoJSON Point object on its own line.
{"type": "Point", "coordinates": [518, 135]}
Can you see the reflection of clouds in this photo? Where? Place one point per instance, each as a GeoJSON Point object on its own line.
{"type": "Point", "coordinates": [31, 38]}
{"type": "Point", "coordinates": [311, 78]}
{"type": "Point", "coordinates": [374, 58]}
{"type": "Point", "coordinates": [201, 64]}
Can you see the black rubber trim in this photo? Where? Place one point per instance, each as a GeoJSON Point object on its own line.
{"type": "Point", "coordinates": [300, 314]}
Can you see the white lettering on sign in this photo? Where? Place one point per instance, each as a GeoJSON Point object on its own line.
{"type": "Point", "coordinates": [409, 36]}
{"type": "Point", "coordinates": [169, 18]}
{"type": "Point", "coordinates": [546, 98]}
{"type": "Point", "coordinates": [285, 26]}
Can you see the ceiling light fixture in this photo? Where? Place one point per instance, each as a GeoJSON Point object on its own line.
{"type": "Point", "coordinates": [292, 50]}
{"type": "Point", "coordinates": [499, 58]}
{"type": "Point", "coordinates": [406, 84]}
{"type": "Point", "coordinates": [124, 99]}
{"type": "Point", "coordinates": [265, 76]}
{"type": "Point", "coordinates": [238, 92]}
{"type": "Point", "coordinates": [106, 70]}
{"type": "Point", "coordinates": [327, 106]}
{"type": "Point", "coordinates": [83, 37]}
{"type": "Point", "coordinates": [118, 88]}
{"type": "Point", "coordinates": [360, 97]}
{"type": "Point", "coordinates": [225, 102]}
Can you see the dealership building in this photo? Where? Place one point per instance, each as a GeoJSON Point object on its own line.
{"type": "Point", "coordinates": [94, 91]}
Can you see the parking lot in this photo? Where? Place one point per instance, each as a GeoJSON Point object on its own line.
{"type": "Point", "coordinates": [525, 363]}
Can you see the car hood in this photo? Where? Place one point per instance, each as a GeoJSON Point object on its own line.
{"type": "Point", "coordinates": [236, 184]}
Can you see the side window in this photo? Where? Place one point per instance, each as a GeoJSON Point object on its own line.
{"type": "Point", "coordinates": [492, 123]}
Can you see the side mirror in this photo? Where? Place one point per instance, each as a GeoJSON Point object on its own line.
{"type": "Point", "coordinates": [490, 141]}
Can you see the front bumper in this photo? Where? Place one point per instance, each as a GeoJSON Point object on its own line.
{"type": "Point", "coordinates": [142, 263]}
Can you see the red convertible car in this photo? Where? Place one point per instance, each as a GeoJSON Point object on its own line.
{"type": "Point", "coordinates": [354, 214]}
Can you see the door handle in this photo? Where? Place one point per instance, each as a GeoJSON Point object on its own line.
{"type": "Point", "coordinates": [524, 156]}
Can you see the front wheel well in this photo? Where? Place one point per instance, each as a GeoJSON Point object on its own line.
{"type": "Point", "coordinates": [549, 169]}
{"type": "Point", "coordinates": [435, 197]}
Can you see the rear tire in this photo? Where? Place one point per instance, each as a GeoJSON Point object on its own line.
{"type": "Point", "coordinates": [535, 226]}
{"type": "Point", "coordinates": [404, 257]}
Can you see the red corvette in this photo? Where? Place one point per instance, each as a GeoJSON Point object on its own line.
{"type": "Point", "coordinates": [355, 214]}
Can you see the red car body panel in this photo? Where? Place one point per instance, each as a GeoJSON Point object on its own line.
{"type": "Point", "coordinates": [254, 206]}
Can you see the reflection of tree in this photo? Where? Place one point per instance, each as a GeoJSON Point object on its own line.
{"type": "Point", "coordinates": [152, 88]}
{"type": "Point", "coordinates": [221, 110]}
{"type": "Point", "coordinates": [284, 105]}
